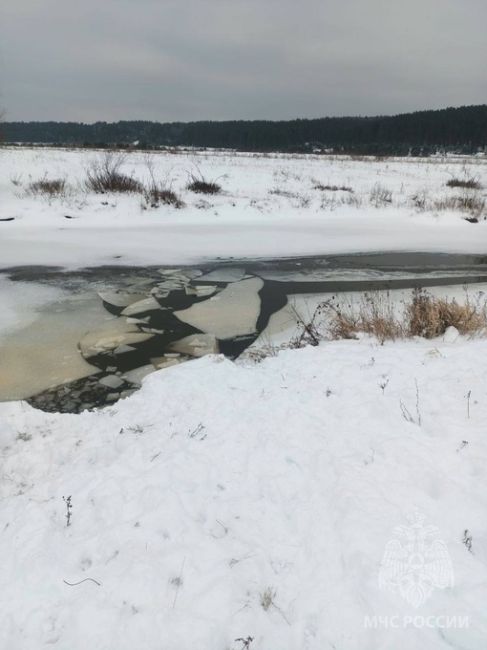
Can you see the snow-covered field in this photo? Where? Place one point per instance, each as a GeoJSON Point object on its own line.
{"type": "Point", "coordinates": [331, 497]}
{"type": "Point", "coordinates": [225, 501]}
{"type": "Point", "coordinates": [269, 207]}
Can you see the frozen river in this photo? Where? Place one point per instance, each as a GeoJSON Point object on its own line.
{"type": "Point", "coordinates": [77, 340]}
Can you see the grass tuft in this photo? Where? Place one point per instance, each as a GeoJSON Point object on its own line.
{"type": "Point", "coordinates": [430, 317]}
{"type": "Point", "coordinates": [156, 196]}
{"type": "Point", "coordinates": [332, 188]}
{"type": "Point", "coordinates": [105, 176]}
{"type": "Point", "coordinates": [465, 183]}
{"type": "Point", "coordinates": [200, 185]}
{"type": "Point", "coordinates": [51, 188]}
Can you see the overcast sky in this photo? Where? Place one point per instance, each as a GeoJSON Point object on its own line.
{"type": "Point", "coordinates": [165, 60]}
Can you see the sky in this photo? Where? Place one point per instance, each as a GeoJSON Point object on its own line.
{"type": "Point", "coordinates": [168, 60]}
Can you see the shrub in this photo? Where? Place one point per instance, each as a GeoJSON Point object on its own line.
{"type": "Point", "coordinates": [465, 183]}
{"type": "Point", "coordinates": [105, 176]}
{"type": "Point", "coordinates": [155, 196]}
{"type": "Point", "coordinates": [199, 185]}
{"type": "Point", "coordinates": [429, 317]}
{"type": "Point", "coordinates": [48, 187]}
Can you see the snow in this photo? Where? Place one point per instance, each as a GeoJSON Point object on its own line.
{"type": "Point", "coordinates": [269, 208]}
{"type": "Point", "coordinates": [220, 481]}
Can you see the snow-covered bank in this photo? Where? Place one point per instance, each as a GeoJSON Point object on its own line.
{"type": "Point", "coordinates": [271, 206]}
{"type": "Point", "coordinates": [224, 501]}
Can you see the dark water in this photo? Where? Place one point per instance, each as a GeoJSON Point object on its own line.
{"type": "Point", "coordinates": [403, 262]}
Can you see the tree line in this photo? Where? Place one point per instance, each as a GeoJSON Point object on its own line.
{"type": "Point", "coordinates": [463, 130]}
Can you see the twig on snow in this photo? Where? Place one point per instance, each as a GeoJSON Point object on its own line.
{"type": "Point", "coordinates": [75, 584]}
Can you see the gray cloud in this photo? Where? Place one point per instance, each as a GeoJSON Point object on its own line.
{"type": "Point", "coordinates": [231, 59]}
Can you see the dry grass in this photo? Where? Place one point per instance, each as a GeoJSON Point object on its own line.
{"type": "Point", "coordinates": [430, 317]}
{"type": "Point", "coordinates": [375, 316]}
{"type": "Point", "coordinates": [200, 185]}
{"type": "Point", "coordinates": [473, 205]}
{"type": "Point", "coordinates": [51, 188]}
{"type": "Point", "coordinates": [332, 188]}
{"type": "Point", "coordinates": [420, 201]}
{"type": "Point", "coordinates": [204, 187]}
{"type": "Point", "coordinates": [465, 183]}
{"type": "Point", "coordinates": [156, 196]}
{"type": "Point", "coordinates": [105, 176]}
{"type": "Point", "coordinates": [277, 191]}
{"type": "Point", "coordinates": [157, 193]}
{"type": "Point", "coordinates": [424, 315]}
{"type": "Point", "coordinates": [332, 202]}
{"type": "Point", "coordinates": [297, 200]}
{"type": "Point", "coordinates": [380, 196]}
{"type": "Point", "coordinates": [468, 203]}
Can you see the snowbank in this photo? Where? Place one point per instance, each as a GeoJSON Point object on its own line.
{"type": "Point", "coordinates": [228, 500]}
{"type": "Point", "coordinates": [270, 207]}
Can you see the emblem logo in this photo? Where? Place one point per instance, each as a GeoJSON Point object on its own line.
{"type": "Point", "coordinates": [416, 562]}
